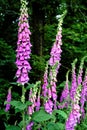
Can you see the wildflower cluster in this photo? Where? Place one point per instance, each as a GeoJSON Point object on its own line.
{"type": "Point", "coordinates": [74, 96]}
{"type": "Point", "coordinates": [49, 86]}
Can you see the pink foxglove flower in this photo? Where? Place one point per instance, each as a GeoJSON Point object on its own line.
{"type": "Point", "coordinates": [29, 126]}
{"type": "Point", "coordinates": [48, 106]}
{"type": "Point", "coordinates": [83, 95]}
{"type": "Point", "coordinates": [74, 116]}
{"type": "Point", "coordinates": [23, 46]}
{"type": "Point", "coordinates": [8, 100]}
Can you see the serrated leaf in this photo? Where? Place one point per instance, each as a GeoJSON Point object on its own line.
{"type": "Point", "coordinates": [18, 105]}
{"type": "Point", "coordinates": [60, 112]}
{"type": "Point", "coordinates": [41, 116]}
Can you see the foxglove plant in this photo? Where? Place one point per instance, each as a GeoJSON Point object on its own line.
{"type": "Point", "coordinates": [75, 114]}
{"type": "Point", "coordinates": [79, 78]}
{"type": "Point", "coordinates": [84, 94]}
{"type": "Point", "coordinates": [45, 80]}
{"type": "Point", "coordinates": [49, 86]}
{"type": "Point", "coordinates": [65, 93]}
{"type": "Point", "coordinates": [8, 100]}
{"type": "Point", "coordinates": [23, 46]}
{"type": "Point", "coordinates": [29, 126]}
{"type": "Point", "coordinates": [23, 52]}
{"type": "Point", "coordinates": [74, 81]}
{"type": "Point", "coordinates": [64, 99]}
{"type": "Point", "coordinates": [54, 60]}
{"type": "Point", "coordinates": [34, 99]}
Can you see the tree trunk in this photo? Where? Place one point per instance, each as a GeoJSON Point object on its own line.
{"type": "Point", "coordinates": [37, 21]}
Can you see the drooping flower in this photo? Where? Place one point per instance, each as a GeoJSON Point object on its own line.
{"type": "Point", "coordinates": [29, 126]}
{"type": "Point", "coordinates": [48, 106]}
{"type": "Point", "coordinates": [79, 78]}
{"type": "Point", "coordinates": [74, 116]}
{"type": "Point", "coordinates": [8, 100]}
{"type": "Point", "coordinates": [84, 94]}
{"type": "Point", "coordinates": [23, 46]}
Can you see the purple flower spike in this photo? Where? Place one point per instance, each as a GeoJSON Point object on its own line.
{"type": "Point", "coordinates": [8, 100]}
{"type": "Point", "coordinates": [23, 46]}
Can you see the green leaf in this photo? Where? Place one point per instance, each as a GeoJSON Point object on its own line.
{"type": "Point", "coordinates": [55, 126]}
{"type": "Point", "coordinates": [18, 105]}
{"type": "Point", "coordinates": [61, 126]}
{"type": "Point", "coordinates": [61, 113]}
{"type": "Point", "coordinates": [28, 103]}
{"type": "Point", "coordinates": [41, 116]}
{"type": "Point", "coordinates": [12, 127]}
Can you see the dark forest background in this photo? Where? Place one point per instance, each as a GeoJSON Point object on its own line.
{"type": "Point", "coordinates": [43, 20]}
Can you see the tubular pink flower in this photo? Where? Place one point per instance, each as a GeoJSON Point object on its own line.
{"type": "Point", "coordinates": [23, 46]}
{"type": "Point", "coordinates": [48, 106]}
{"type": "Point", "coordinates": [73, 117]}
{"type": "Point", "coordinates": [56, 51]}
{"type": "Point", "coordinates": [83, 95]}
{"type": "Point", "coordinates": [29, 126]}
{"type": "Point", "coordinates": [8, 100]}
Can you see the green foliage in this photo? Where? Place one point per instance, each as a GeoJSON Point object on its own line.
{"type": "Point", "coordinates": [55, 126]}
{"type": "Point", "coordinates": [19, 105]}
{"type": "Point", "coordinates": [12, 127]}
{"type": "Point", "coordinates": [61, 113]}
{"type": "Point", "coordinates": [38, 66]}
{"type": "Point", "coordinates": [41, 116]}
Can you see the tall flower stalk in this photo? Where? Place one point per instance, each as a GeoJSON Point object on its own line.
{"type": "Point", "coordinates": [23, 46]}
{"type": "Point", "coordinates": [23, 52]}
{"type": "Point", "coordinates": [49, 86]}
{"type": "Point", "coordinates": [55, 58]}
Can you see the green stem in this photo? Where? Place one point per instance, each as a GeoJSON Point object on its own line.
{"type": "Point", "coordinates": [23, 112]}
